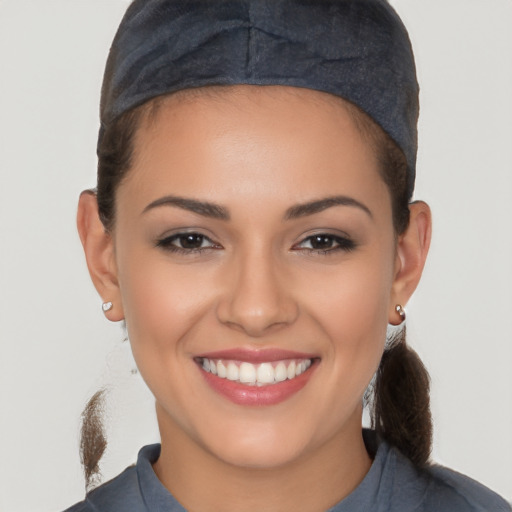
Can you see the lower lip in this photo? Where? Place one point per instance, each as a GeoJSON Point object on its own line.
{"type": "Point", "coordinates": [258, 395]}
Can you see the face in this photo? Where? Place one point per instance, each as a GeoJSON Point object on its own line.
{"type": "Point", "coordinates": [254, 244]}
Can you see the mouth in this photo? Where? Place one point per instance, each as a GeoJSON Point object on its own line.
{"type": "Point", "coordinates": [249, 374]}
{"type": "Point", "coordinates": [256, 378]}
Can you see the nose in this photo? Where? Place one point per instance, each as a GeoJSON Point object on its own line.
{"type": "Point", "coordinates": [257, 299]}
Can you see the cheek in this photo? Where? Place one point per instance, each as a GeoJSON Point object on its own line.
{"type": "Point", "coordinates": [353, 311]}
{"type": "Point", "coordinates": [161, 302]}
{"type": "Point", "coordinates": [356, 297]}
{"type": "Point", "coordinates": [164, 305]}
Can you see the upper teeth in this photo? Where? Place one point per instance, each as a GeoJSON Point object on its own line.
{"type": "Point", "coordinates": [260, 374]}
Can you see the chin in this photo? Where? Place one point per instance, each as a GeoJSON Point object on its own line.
{"type": "Point", "coordinates": [260, 456]}
{"type": "Point", "coordinates": [261, 445]}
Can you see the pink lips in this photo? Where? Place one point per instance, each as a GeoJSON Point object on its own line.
{"type": "Point", "coordinates": [271, 394]}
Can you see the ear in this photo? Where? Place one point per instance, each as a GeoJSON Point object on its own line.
{"type": "Point", "coordinates": [411, 254]}
{"type": "Point", "coordinates": [99, 253]}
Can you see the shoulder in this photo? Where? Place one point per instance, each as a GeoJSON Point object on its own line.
{"type": "Point", "coordinates": [136, 489]}
{"type": "Point", "coordinates": [119, 494]}
{"type": "Point", "coordinates": [458, 490]}
{"type": "Point", "coordinates": [126, 491]}
{"type": "Point", "coordinates": [443, 490]}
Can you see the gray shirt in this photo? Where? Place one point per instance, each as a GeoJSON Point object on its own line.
{"type": "Point", "coordinates": [393, 484]}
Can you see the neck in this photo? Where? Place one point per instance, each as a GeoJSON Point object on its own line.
{"type": "Point", "coordinates": [200, 481]}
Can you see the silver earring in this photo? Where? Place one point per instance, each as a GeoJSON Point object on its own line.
{"type": "Point", "coordinates": [107, 306]}
{"type": "Point", "coordinates": [400, 310]}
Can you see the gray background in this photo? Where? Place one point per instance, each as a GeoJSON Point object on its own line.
{"type": "Point", "coordinates": [56, 347]}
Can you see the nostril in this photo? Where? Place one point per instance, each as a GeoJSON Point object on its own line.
{"type": "Point", "coordinates": [257, 323]}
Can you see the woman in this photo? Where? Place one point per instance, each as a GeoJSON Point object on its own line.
{"type": "Point", "coordinates": [252, 226]}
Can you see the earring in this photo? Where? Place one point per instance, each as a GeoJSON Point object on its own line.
{"type": "Point", "coordinates": [107, 306]}
{"type": "Point", "coordinates": [400, 310]}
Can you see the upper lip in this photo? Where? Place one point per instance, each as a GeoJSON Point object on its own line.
{"type": "Point", "coordinates": [256, 355]}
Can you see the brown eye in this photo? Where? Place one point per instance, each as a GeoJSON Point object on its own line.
{"type": "Point", "coordinates": [322, 242]}
{"type": "Point", "coordinates": [187, 243]}
{"type": "Point", "coordinates": [325, 243]}
{"type": "Point", "coordinates": [191, 241]}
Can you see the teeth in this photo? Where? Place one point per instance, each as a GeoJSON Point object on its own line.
{"type": "Point", "coordinates": [247, 373]}
{"type": "Point", "coordinates": [291, 370]}
{"type": "Point", "coordinates": [281, 372]}
{"type": "Point", "coordinates": [300, 368]}
{"type": "Point", "coordinates": [265, 373]}
{"type": "Point", "coordinates": [256, 375]}
{"type": "Point", "coordinates": [233, 373]}
{"type": "Point", "coordinates": [222, 371]}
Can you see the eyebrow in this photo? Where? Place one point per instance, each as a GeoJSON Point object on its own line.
{"type": "Point", "coordinates": [216, 211]}
{"type": "Point", "coordinates": [203, 208]}
{"type": "Point", "coordinates": [302, 210]}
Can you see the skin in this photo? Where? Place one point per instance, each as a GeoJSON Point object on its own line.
{"type": "Point", "coordinates": [256, 152]}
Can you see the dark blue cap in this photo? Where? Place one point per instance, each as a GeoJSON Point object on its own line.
{"type": "Point", "coordinates": [356, 49]}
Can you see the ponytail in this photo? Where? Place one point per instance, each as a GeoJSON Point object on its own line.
{"type": "Point", "coordinates": [401, 401]}
{"type": "Point", "coordinates": [93, 441]}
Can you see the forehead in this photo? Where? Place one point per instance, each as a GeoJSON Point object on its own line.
{"type": "Point", "coordinates": [252, 141]}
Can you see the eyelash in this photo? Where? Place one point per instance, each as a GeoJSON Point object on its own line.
{"type": "Point", "coordinates": [169, 243]}
{"type": "Point", "coordinates": [344, 244]}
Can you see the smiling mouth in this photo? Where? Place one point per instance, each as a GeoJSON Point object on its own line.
{"type": "Point", "coordinates": [248, 374]}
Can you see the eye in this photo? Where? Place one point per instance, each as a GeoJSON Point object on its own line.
{"type": "Point", "coordinates": [187, 243]}
{"type": "Point", "coordinates": [325, 243]}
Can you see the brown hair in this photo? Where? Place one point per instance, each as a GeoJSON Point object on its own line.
{"type": "Point", "coordinates": [399, 395]}
{"type": "Point", "coordinates": [400, 408]}
{"type": "Point", "coordinates": [93, 441]}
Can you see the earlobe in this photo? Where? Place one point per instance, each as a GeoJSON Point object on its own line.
{"type": "Point", "coordinates": [412, 250]}
{"type": "Point", "coordinates": [99, 254]}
